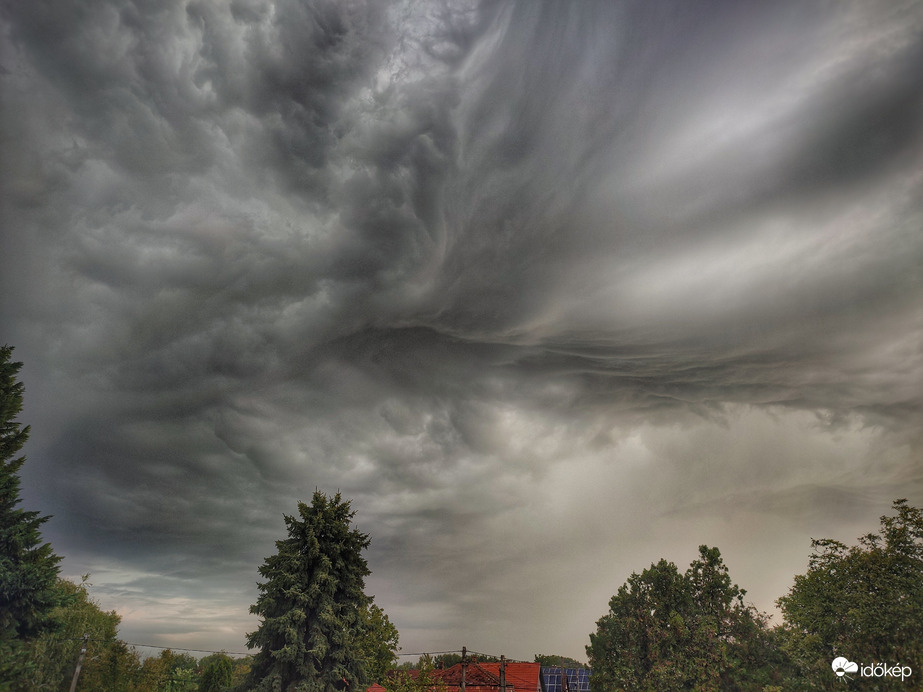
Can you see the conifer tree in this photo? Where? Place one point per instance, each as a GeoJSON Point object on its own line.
{"type": "Point", "coordinates": [28, 567]}
{"type": "Point", "coordinates": [217, 673]}
{"type": "Point", "coordinates": [311, 603]}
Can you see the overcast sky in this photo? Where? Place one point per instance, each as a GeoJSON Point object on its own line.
{"type": "Point", "coordinates": [548, 290]}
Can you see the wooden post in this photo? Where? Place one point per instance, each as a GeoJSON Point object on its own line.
{"type": "Point", "coordinates": [464, 667]}
{"type": "Point", "coordinates": [83, 652]}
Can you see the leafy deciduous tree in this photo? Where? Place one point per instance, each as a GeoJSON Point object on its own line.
{"type": "Point", "coordinates": [240, 671]}
{"type": "Point", "coordinates": [669, 631]}
{"type": "Point", "coordinates": [217, 673]}
{"type": "Point", "coordinates": [377, 641]}
{"type": "Point", "coordinates": [168, 672]}
{"type": "Point", "coordinates": [445, 661]}
{"type": "Point", "coordinates": [423, 679]}
{"type": "Point", "coordinates": [109, 664]}
{"type": "Point", "coordinates": [864, 602]}
{"type": "Point", "coordinates": [553, 660]}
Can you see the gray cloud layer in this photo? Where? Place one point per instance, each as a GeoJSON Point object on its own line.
{"type": "Point", "coordinates": [551, 290]}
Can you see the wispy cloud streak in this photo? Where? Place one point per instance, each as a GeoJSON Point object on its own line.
{"type": "Point", "coordinates": [551, 290]}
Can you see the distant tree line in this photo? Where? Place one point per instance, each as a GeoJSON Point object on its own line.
{"type": "Point", "coordinates": [320, 631]}
{"type": "Point", "coordinates": [555, 661]}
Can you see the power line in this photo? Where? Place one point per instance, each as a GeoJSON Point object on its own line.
{"type": "Point", "coordinates": [203, 651]}
{"type": "Point", "coordinates": [458, 651]}
{"type": "Point", "coordinates": [156, 646]}
{"type": "Point", "coordinates": [239, 653]}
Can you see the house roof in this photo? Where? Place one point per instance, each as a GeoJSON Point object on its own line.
{"type": "Point", "coordinates": [476, 675]}
{"type": "Point", "coordinates": [485, 677]}
{"type": "Point", "coordinates": [524, 677]}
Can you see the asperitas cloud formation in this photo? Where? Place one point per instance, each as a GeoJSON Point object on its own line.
{"type": "Point", "coordinates": [549, 290]}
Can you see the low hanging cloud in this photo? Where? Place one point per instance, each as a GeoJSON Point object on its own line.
{"type": "Point", "coordinates": [549, 290]}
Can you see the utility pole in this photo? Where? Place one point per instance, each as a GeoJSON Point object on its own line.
{"type": "Point", "coordinates": [502, 673]}
{"type": "Point", "coordinates": [464, 667]}
{"type": "Point", "coordinates": [83, 652]}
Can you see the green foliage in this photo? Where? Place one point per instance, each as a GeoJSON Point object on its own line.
{"type": "Point", "coordinates": [312, 603]}
{"type": "Point", "coordinates": [114, 666]}
{"type": "Point", "coordinates": [440, 662]}
{"type": "Point", "coordinates": [108, 665]}
{"type": "Point", "coordinates": [182, 680]}
{"type": "Point", "coordinates": [377, 642]}
{"type": "Point", "coordinates": [864, 602]}
{"type": "Point", "coordinates": [553, 660]}
{"type": "Point", "coordinates": [217, 673]}
{"type": "Point", "coordinates": [444, 661]}
{"type": "Point", "coordinates": [423, 679]}
{"type": "Point", "coordinates": [28, 567]}
{"type": "Point", "coordinates": [240, 670]}
{"type": "Point", "coordinates": [168, 672]}
{"type": "Point", "coordinates": [669, 631]}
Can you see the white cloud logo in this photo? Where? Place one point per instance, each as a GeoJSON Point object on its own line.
{"type": "Point", "coordinates": [841, 666]}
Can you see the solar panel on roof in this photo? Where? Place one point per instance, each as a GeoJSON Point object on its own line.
{"type": "Point", "coordinates": [551, 680]}
{"type": "Point", "coordinates": [578, 679]}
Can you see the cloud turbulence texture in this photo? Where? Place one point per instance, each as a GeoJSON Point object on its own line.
{"type": "Point", "coordinates": [550, 290]}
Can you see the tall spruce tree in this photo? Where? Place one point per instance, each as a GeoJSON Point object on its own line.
{"type": "Point", "coordinates": [28, 567]}
{"type": "Point", "coordinates": [311, 604]}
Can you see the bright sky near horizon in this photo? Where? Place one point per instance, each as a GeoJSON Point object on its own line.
{"type": "Point", "coordinates": [548, 290]}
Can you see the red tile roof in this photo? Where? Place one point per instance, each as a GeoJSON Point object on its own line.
{"type": "Point", "coordinates": [476, 676]}
{"type": "Point", "coordinates": [524, 677]}
{"type": "Point", "coordinates": [485, 677]}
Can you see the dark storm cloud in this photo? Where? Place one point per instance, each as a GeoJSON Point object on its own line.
{"type": "Point", "coordinates": [522, 279]}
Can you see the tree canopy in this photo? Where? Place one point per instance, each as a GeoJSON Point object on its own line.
{"type": "Point", "coordinates": [554, 660]}
{"type": "Point", "coordinates": [863, 602]}
{"type": "Point", "coordinates": [217, 673]}
{"type": "Point", "coordinates": [378, 642]}
{"type": "Point", "coordinates": [312, 603]}
{"type": "Point", "coordinates": [423, 678]}
{"type": "Point", "coordinates": [28, 567]}
{"type": "Point", "coordinates": [671, 631]}
{"type": "Point", "coordinates": [109, 665]}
